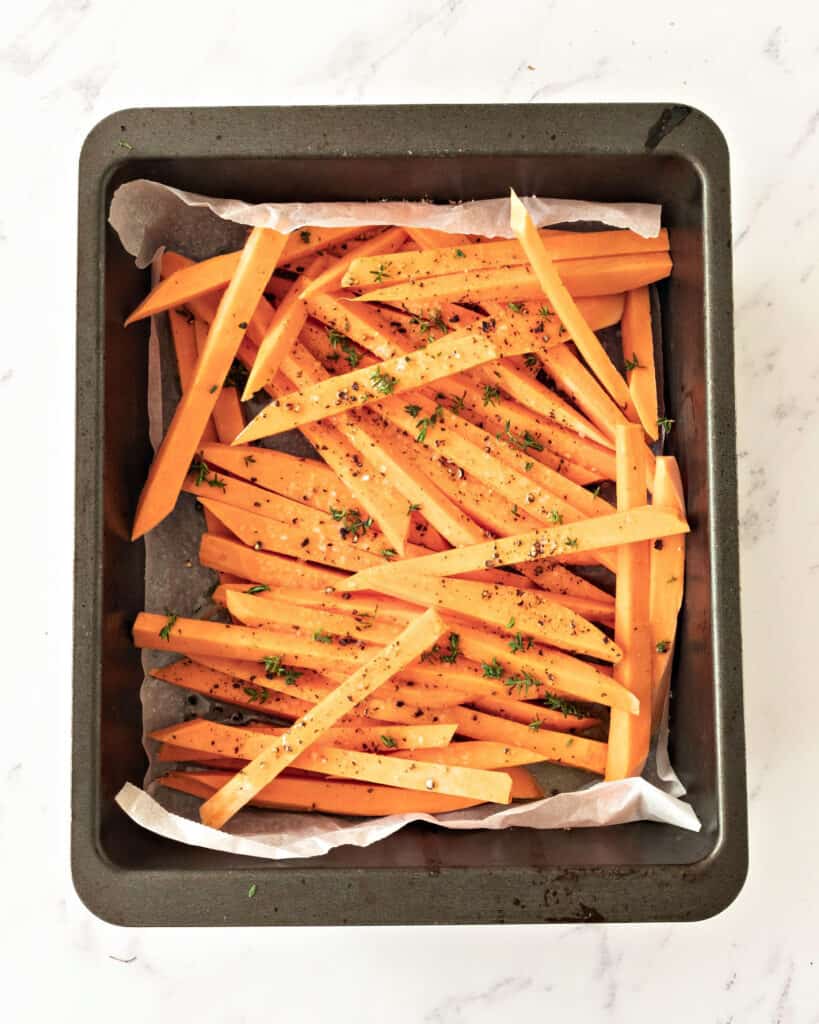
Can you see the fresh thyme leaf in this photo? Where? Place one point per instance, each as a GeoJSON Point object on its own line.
{"type": "Point", "coordinates": [492, 669]}
{"type": "Point", "coordinates": [165, 632]}
{"type": "Point", "coordinates": [251, 892]}
{"type": "Point", "coordinates": [273, 668]}
{"type": "Point", "coordinates": [388, 741]}
{"type": "Point", "coordinates": [413, 508]}
{"type": "Point", "coordinates": [665, 425]}
{"type": "Point", "coordinates": [383, 383]}
{"type": "Point", "coordinates": [460, 254]}
{"type": "Point", "coordinates": [321, 637]}
{"type": "Point", "coordinates": [457, 402]}
{"type": "Point", "coordinates": [662, 646]}
{"type": "Point", "coordinates": [389, 553]}
{"type": "Point", "coordinates": [633, 363]}
{"type": "Point", "coordinates": [570, 542]}
{"type": "Point", "coordinates": [516, 307]}
{"type": "Point", "coordinates": [554, 516]}
{"type": "Point", "coordinates": [517, 643]}
{"type": "Point", "coordinates": [413, 410]}
{"type": "Point", "coordinates": [381, 272]}
{"type": "Point", "coordinates": [491, 394]}
{"type": "Point", "coordinates": [453, 650]}
{"type": "Point", "coordinates": [257, 588]}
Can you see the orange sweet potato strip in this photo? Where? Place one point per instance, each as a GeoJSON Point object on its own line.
{"type": "Point", "coordinates": [227, 417]}
{"type": "Point", "coordinates": [534, 716]}
{"type": "Point", "coordinates": [563, 748]}
{"type": "Point", "coordinates": [475, 754]}
{"type": "Point", "coordinates": [638, 353]}
{"type": "Point", "coordinates": [196, 734]}
{"type": "Point", "coordinates": [583, 278]}
{"type": "Point", "coordinates": [667, 582]}
{"type": "Point", "coordinates": [606, 531]}
{"type": "Point", "coordinates": [386, 242]}
{"type": "Point", "coordinates": [184, 280]}
{"type": "Point", "coordinates": [412, 478]}
{"type": "Point", "coordinates": [178, 447]}
{"type": "Point", "coordinates": [372, 383]}
{"type": "Point", "coordinates": [283, 329]}
{"type": "Point", "coordinates": [184, 338]}
{"type": "Point", "coordinates": [527, 612]}
{"type": "Point", "coordinates": [384, 503]}
{"type": "Point", "coordinates": [560, 300]}
{"type": "Point", "coordinates": [572, 377]}
{"type": "Point", "coordinates": [231, 556]}
{"type": "Point", "coordinates": [304, 480]}
{"type": "Point", "coordinates": [222, 686]}
{"type": "Point", "coordinates": [418, 636]}
{"type": "Point", "coordinates": [462, 256]}
{"type": "Point", "coordinates": [303, 539]}
{"type": "Point", "coordinates": [387, 334]}
{"type": "Point", "coordinates": [387, 704]}
{"type": "Point", "coordinates": [629, 735]}
{"type": "Point", "coordinates": [200, 637]}
{"type": "Point", "coordinates": [328, 759]}
{"type": "Point", "coordinates": [331, 796]}
{"type": "Point", "coordinates": [428, 238]}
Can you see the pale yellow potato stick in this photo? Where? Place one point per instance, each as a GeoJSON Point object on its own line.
{"type": "Point", "coordinates": [629, 735]}
{"type": "Point", "coordinates": [667, 582]}
{"type": "Point", "coordinates": [640, 524]}
{"type": "Point", "coordinates": [531, 612]}
{"type": "Point", "coordinates": [566, 308]}
{"type": "Point", "coordinates": [415, 639]}
{"type": "Point", "coordinates": [453, 780]}
{"type": "Point", "coordinates": [235, 310]}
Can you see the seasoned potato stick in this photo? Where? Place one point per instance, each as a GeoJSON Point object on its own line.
{"type": "Point", "coordinates": [629, 735]}
{"type": "Point", "coordinates": [638, 353]}
{"type": "Point", "coordinates": [463, 257]}
{"type": "Point", "coordinates": [178, 447]}
{"type": "Point", "coordinates": [666, 585]}
{"type": "Point", "coordinates": [559, 298]}
{"type": "Point", "coordinates": [606, 531]}
{"type": "Point", "coordinates": [281, 753]}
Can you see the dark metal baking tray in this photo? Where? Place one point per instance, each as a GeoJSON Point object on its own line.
{"type": "Point", "coordinates": [638, 872]}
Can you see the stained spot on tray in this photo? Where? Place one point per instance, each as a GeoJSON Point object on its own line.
{"type": "Point", "coordinates": [672, 117]}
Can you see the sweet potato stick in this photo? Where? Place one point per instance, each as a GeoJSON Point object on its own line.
{"type": "Point", "coordinates": [262, 770]}
{"type": "Point", "coordinates": [640, 524]}
{"type": "Point", "coordinates": [667, 581]}
{"type": "Point", "coordinates": [629, 735]}
{"type": "Point", "coordinates": [638, 353]}
{"type": "Point", "coordinates": [178, 447]}
{"type": "Point", "coordinates": [564, 305]}
{"type": "Point", "coordinates": [458, 257]}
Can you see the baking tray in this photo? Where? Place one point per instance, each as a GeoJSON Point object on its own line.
{"type": "Point", "coordinates": [668, 154]}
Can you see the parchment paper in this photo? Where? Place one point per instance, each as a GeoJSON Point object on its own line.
{"type": "Point", "coordinates": [149, 216]}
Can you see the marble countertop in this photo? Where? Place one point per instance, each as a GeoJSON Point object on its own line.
{"type": "Point", "coordinates": [64, 64]}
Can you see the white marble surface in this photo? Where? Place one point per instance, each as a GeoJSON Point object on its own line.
{"type": "Point", "coordinates": [64, 65]}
